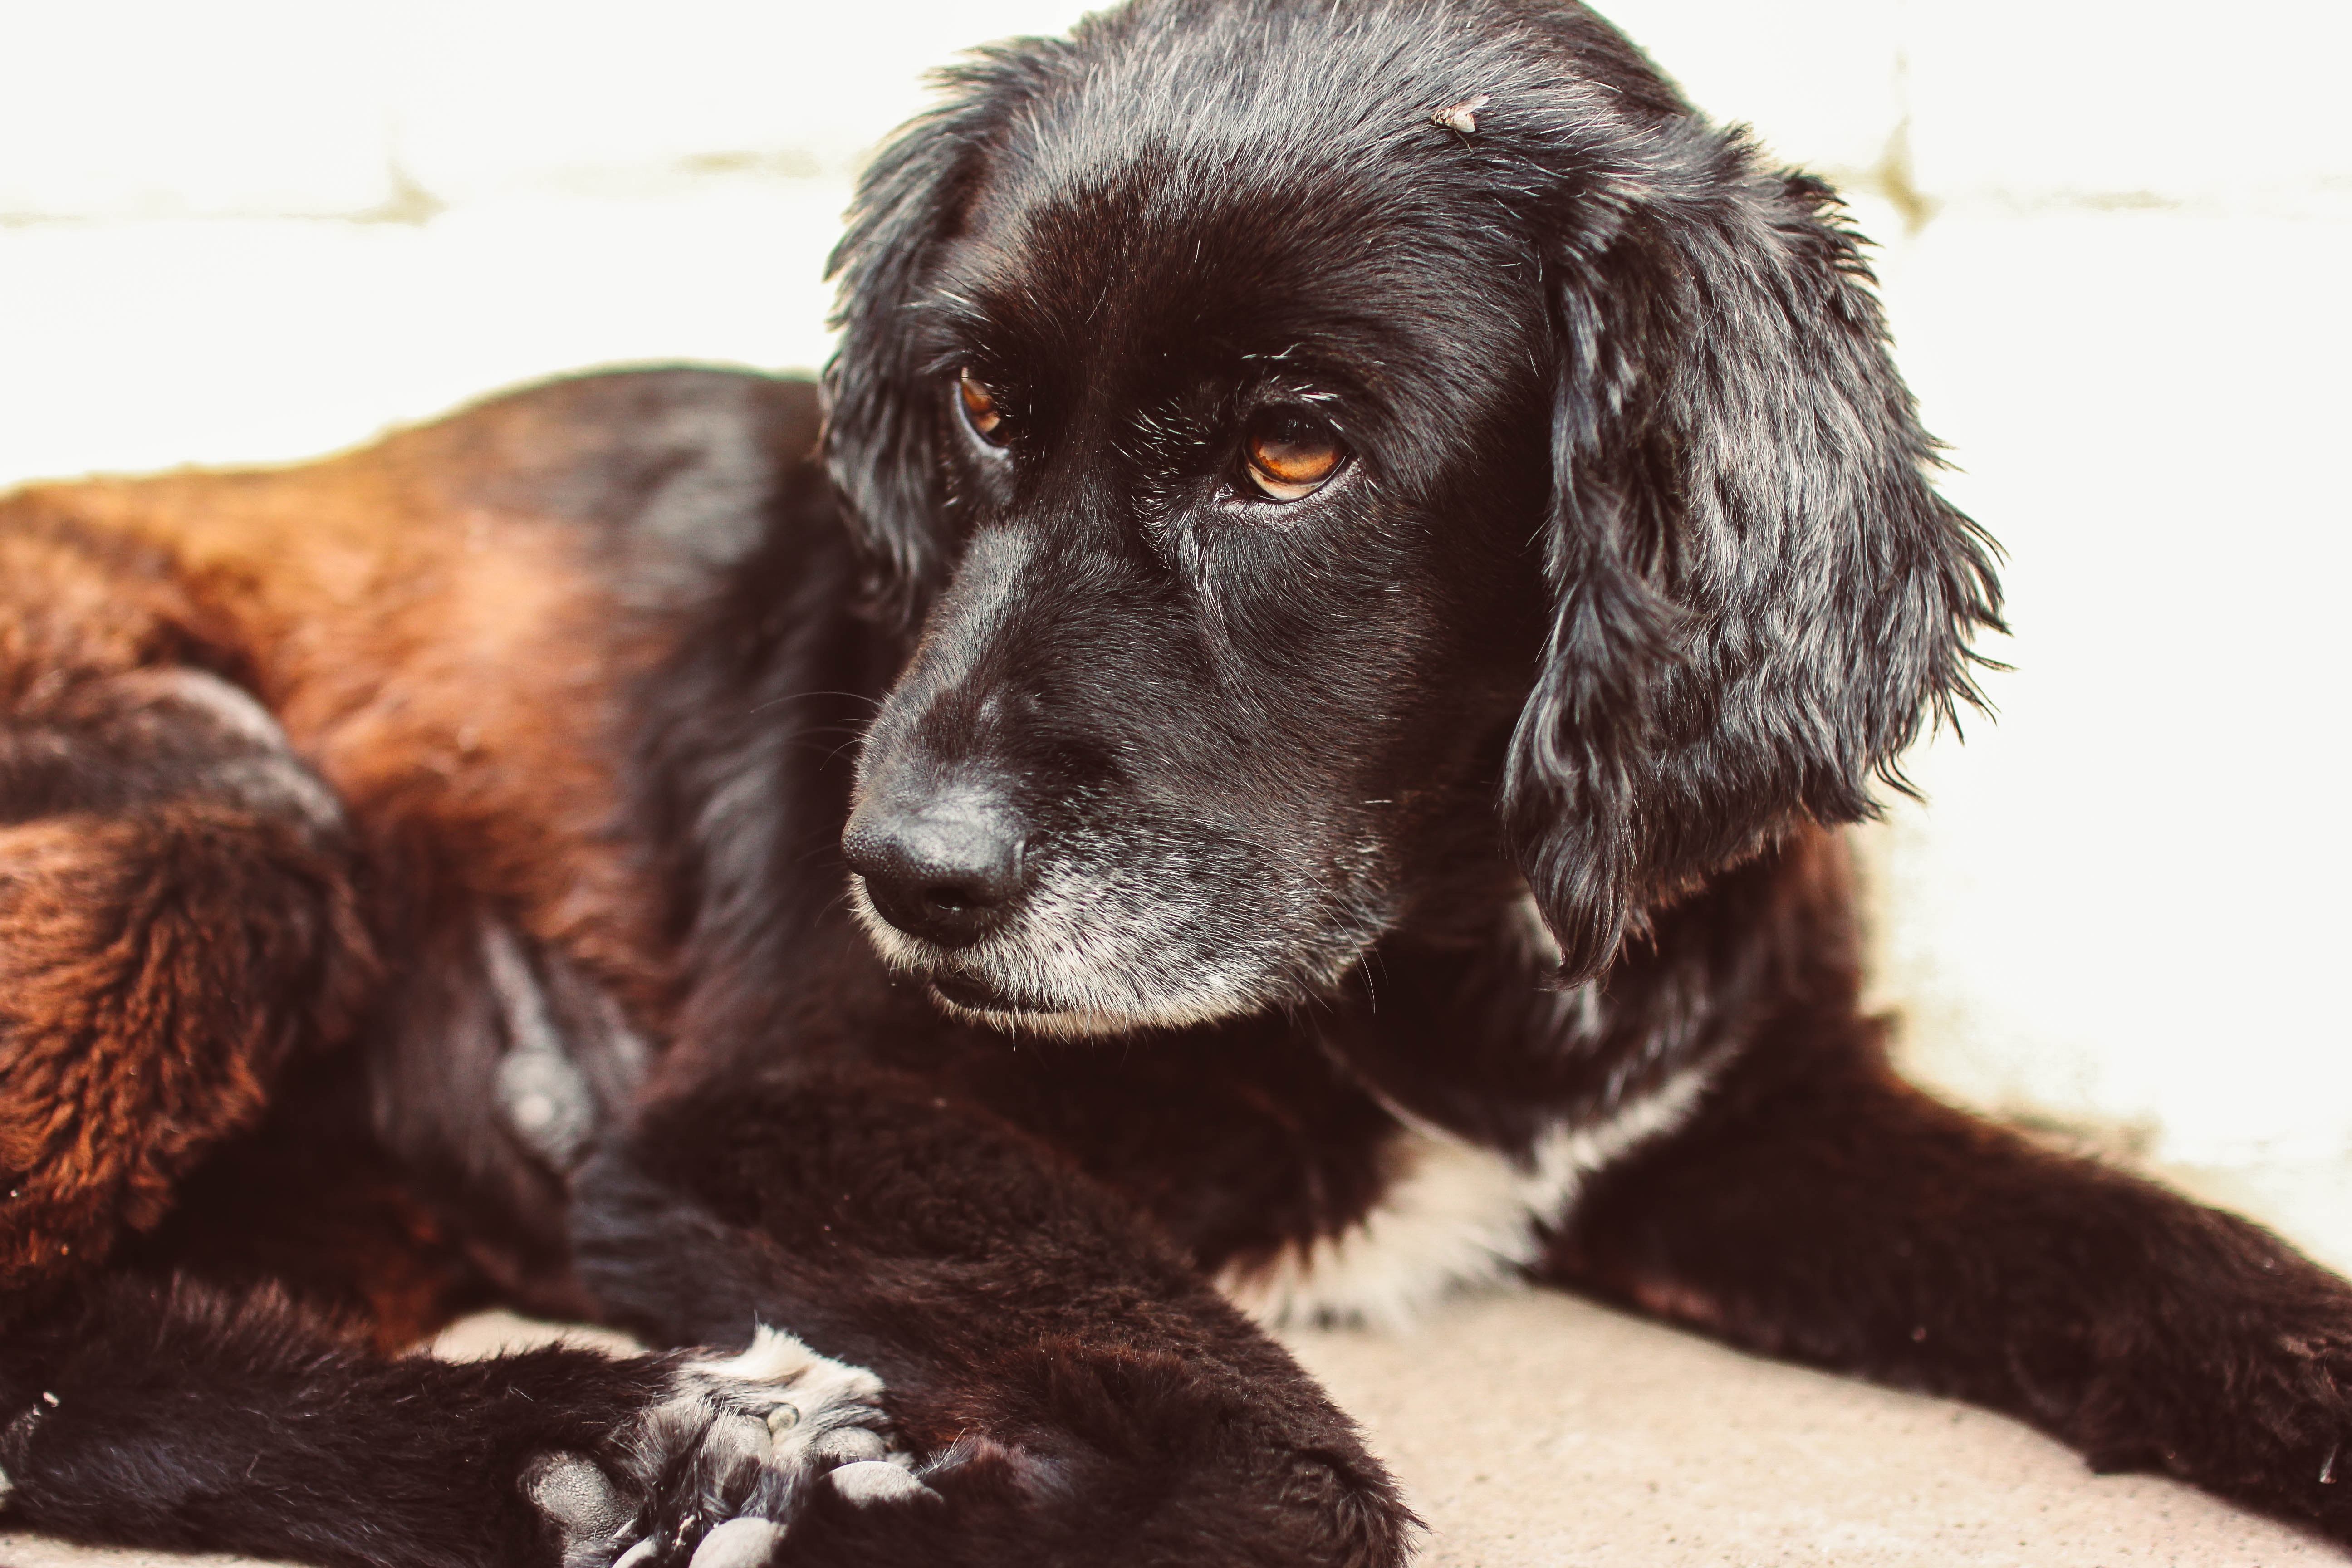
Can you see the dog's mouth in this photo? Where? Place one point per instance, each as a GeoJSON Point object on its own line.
{"type": "Point", "coordinates": [963, 996]}
{"type": "Point", "coordinates": [977, 995]}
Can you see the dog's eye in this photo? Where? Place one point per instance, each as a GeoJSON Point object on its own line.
{"type": "Point", "coordinates": [979, 410]}
{"type": "Point", "coordinates": [1291, 453]}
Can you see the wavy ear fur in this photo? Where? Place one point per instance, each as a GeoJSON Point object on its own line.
{"type": "Point", "coordinates": [883, 405]}
{"type": "Point", "coordinates": [1758, 596]}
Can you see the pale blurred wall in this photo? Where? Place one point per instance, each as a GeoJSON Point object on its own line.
{"type": "Point", "coordinates": [2113, 240]}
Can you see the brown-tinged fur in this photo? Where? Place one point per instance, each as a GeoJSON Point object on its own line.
{"type": "Point", "coordinates": [155, 952]}
{"type": "Point", "coordinates": [149, 962]}
{"type": "Point", "coordinates": [446, 669]}
{"type": "Point", "coordinates": [440, 660]}
{"type": "Point", "coordinates": [336, 1220]}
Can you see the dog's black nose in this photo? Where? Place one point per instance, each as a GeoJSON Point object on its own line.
{"type": "Point", "coordinates": [948, 871]}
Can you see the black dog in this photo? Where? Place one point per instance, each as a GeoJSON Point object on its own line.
{"type": "Point", "coordinates": [1384, 546]}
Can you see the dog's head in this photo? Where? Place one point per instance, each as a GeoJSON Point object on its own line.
{"type": "Point", "coordinates": [1339, 452]}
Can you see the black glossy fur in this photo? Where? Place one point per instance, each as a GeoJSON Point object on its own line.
{"type": "Point", "coordinates": [1482, 800]}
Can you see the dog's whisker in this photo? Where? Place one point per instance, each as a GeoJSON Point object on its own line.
{"type": "Point", "coordinates": [868, 698]}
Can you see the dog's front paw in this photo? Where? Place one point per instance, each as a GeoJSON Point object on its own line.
{"type": "Point", "coordinates": [2236, 1374]}
{"type": "Point", "coordinates": [712, 1474]}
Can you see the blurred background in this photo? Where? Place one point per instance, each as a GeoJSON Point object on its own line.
{"type": "Point", "coordinates": [2112, 241]}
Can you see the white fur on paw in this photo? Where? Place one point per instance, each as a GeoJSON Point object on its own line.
{"type": "Point", "coordinates": [719, 1460]}
{"type": "Point", "coordinates": [871, 1483]}
{"type": "Point", "coordinates": [816, 1409]}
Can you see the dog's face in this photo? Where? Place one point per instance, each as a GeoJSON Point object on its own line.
{"type": "Point", "coordinates": [1238, 473]}
{"type": "Point", "coordinates": [1286, 417]}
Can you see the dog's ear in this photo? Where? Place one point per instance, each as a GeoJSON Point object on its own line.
{"type": "Point", "coordinates": [883, 403]}
{"type": "Point", "coordinates": [1759, 597]}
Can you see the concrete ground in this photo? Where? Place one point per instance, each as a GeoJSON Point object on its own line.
{"type": "Point", "coordinates": [1538, 1431]}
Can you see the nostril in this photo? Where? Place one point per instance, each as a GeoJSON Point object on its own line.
{"type": "Point", "coordinates": [953, 900]}
{"type": "Point", "coordinates": [991, 873]}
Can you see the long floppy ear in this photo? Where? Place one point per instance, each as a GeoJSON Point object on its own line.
{"type": "Point", "coordinates": [1760, 598]}
{"type": "Point", "coordinates": [882, 405]}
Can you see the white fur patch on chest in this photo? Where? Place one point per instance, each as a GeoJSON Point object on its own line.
{"type": "Point", "coordinates": [1456, 1216]}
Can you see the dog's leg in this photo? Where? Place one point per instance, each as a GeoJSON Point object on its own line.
{"type": "Point", "coordinates": [1077, 1393]}
{"type": "Point", "coordinates": [177, 1417]}
{"type": "Point", "coordinates": [1818, 1207]}
{"type": "Point", "coordinates": [155, 969]}
{"type": "Point", "coordinates": [176, 914]}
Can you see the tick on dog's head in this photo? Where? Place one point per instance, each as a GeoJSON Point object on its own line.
{"type": "Point", "coordinates": [1337, 453]}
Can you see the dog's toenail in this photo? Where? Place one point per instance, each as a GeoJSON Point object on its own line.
{"type": "Point", "coordinates": [871, 1482]}
{"type": "Point", "coordinates": [737, 1543]}
{"type": "Point", "coordinates": [848, 1444]}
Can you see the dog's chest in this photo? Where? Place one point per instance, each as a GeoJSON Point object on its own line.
{"type": "Point", "coordinates": [1453, 1215]}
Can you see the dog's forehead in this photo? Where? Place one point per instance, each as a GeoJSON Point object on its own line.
{"type": "Point", "coordinates": [1158, 253]}
{"type": "Point", "coordinates": [1252, 199]}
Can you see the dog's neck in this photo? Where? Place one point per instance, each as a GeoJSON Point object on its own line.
{"type": "Point", "coordinates": [1482, 1039]}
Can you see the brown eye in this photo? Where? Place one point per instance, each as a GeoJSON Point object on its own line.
{"type": "Point", "coordinates": [1291, 454]}
{"type": "Point", "coordinates": [979, 410]}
